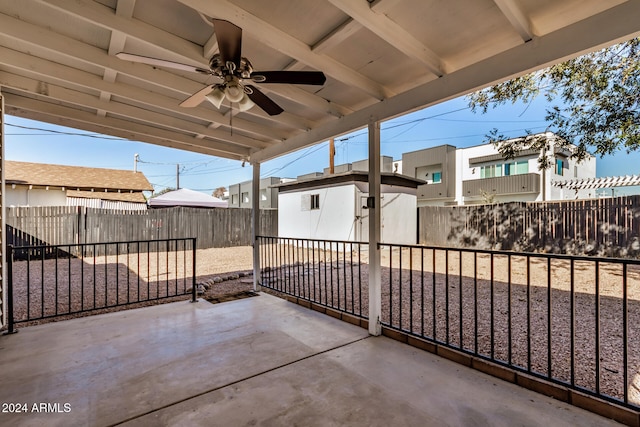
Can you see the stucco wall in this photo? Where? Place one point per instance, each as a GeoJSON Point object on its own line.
{"type": "Point", "coordinates": [341, 215]}
{"type": "Point", "coordinates": [399, 219]}
{"type": "Point", "coordinates": [22, 196]}
{"type": "Point", "coordinates": [333, 220]}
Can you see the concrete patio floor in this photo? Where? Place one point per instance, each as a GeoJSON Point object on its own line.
{"type": "Point", "coordinates": [255, 361]}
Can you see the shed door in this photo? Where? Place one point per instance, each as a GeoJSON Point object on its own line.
{"type": "Point", "coordinates": [362, 222]}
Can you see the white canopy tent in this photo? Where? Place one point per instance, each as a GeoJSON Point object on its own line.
{"type": "Point", "coordinates": [186, 197]}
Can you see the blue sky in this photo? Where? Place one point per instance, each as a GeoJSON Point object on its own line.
{"type": "Point", "coordinates": [447, 123]}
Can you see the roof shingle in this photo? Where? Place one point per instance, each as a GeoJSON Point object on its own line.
{"type": "Point", "coordinates": [75, 177]}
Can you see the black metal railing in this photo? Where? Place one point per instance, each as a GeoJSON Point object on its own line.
{"type": "Point", "coordinates": [574, 321]}
{"type": "Point", "coordinates": [570, 320]}
{"type": "Point", "coordinates": [49, 281]}
{"type": "Point", "coordinates": [325, 272]}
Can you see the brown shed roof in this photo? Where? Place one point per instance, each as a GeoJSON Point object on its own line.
{"type": "Point", "coordinates": [75, 177]}
{"type": "Point", "coordinates": [135, 197]}
{"type": "Point", "coordinates": [387, 178]}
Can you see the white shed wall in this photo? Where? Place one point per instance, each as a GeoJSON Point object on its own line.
{"type": "Point", "coordinates": [341, 215]}
{"type": "Point", "coordinates": [334, 220]}
{"type": "Point", "coordinates": [399, 220]}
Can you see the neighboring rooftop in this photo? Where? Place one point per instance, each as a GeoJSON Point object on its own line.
{"type": "Point", "coordinates": [75, 177]}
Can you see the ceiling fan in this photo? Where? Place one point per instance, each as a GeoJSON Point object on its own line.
{"type": "Point", "coordinates": [234, 71]}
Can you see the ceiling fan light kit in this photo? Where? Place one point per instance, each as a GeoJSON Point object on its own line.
{"type": "Point", "coordinates": [234, 92]}
{"type": "Point", "coordinates": [233, 69]}
{"type": "Point", "coordinates": [216, 96]}
{"type": "Point", "coordinates": [245, 104]}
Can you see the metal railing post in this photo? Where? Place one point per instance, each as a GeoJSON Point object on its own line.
{"type": "Point", "coordinates": [10, 324]}
{"type": "Point", "coordinates": [193, 269]}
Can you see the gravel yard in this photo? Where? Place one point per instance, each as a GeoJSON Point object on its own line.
{"type": "Point", "coordinates": [66, 285]}
{"type": "Point", "coordinates": [459, 308]}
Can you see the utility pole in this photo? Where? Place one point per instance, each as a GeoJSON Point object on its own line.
{"type": "Point", "coordinates": [332, 155]}
{"type": "Point", "coordinates": [135, 162]}
{"type": "Point", "coordinates": [177, 176]}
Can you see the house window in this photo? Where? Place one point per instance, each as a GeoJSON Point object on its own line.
{"type": "Point", "coordinates": [522, 167]}
{"type": "Point", "coordinates": [263, 195]}
{"type": "Point", "coordinates": [490, 171]}
{"type": "Point", "coordinates": [431, 174]}
{"type": "Point", "coordinates": [234, 199]}
{"type": "Point", "coordinates": [315, 201]}
{"type": "Point", "coordinates": [245, 197]}
{"type": "Point", "coordinates": [575, 171]}
{"type": "Point", "coordinates": [559, 166]}
{"type": "Point", "coordinates": [516, 168]}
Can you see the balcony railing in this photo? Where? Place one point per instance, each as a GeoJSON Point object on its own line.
{"type": "Point", "coordinates": [328, 273]}
{"type": "Point", "coordinates": [52, 281]}
{"type": "Point", "coordinates": [572, 321]}
{"type": "Point", "coordinates": [512, 184]}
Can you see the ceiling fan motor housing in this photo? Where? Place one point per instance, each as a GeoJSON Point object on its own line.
{"type": "Point", "coordinates": [219, 68]}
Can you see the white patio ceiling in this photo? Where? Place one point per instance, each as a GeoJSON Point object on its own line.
{"type": "Point", "coordinates": [381, 58]}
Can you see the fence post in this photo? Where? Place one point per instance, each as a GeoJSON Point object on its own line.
{"type": "Point", "coordinates": [10, 325]}
{"type": "Point", "coordinates": [193, 269]}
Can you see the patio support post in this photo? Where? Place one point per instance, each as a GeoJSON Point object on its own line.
{"type": "Point", "coordinates": [255, 228]}
{"type": "Point", "coordinates": [374, 204]}
{"type": "Point", "coordinates": [4, 295]}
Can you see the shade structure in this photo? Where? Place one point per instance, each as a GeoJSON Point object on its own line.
{"type": "Point", "coordinates": [69, 62]}
{"type": "Point", "coordinates": [186, 197]}
{"type": "Point", "coordinates": [596, 183]}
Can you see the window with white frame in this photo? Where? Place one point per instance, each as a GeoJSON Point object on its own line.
{"type": "Point", "coordinates": [507, 169]}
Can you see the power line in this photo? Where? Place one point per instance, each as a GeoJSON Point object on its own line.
{"type": "Point", "coordinates": [61, 133]}
{"type": "Point", "coordinates": [308, 152]}
{"type": "Point", "coordinates": [449, 137]}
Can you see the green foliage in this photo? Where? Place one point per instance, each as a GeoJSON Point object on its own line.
{"type": "Point", "coordinates": [595, 102]}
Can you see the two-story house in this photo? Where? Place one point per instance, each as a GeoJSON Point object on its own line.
{"type": "Point", "coordinates": [479, 174]}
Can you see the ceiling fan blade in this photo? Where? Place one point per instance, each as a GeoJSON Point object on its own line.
{"type": "Point", "coordinates": [229, 37]}
{"type": "Point", "coordinates": [292, 77]}
{"type": "Point", "coordinates": [195, 99]}
{"type": "Point", "coordinates": [263, 101]}
{"type": "Point", "coordinates": [161, 63]}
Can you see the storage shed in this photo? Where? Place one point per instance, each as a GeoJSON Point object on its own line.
{"type": "Point", "coordinates": [334, 207]}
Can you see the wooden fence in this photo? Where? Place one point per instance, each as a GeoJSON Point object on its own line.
{"type": "Point", "coordinates": [605, 227]}
{"type": "Point", "coordinates": [55, 225]}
